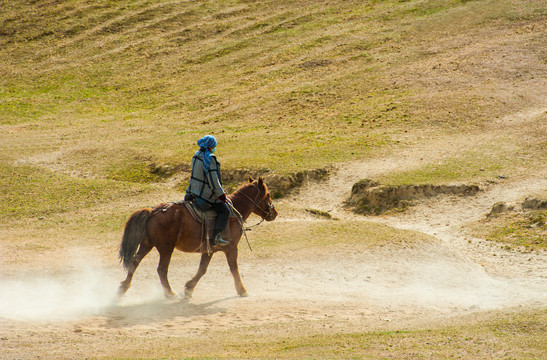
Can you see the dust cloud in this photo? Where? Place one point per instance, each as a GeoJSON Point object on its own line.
{"type": "Point", "coordinates": [397, 282]}
{"type": "Point", "coordinates": [448, 284]}
{"type": "Point", "coordinates": [400, 282]}
{"type": "Point", "coordinates": [74, 285]}
{"type": "Point", "coordinates": [82, 292]}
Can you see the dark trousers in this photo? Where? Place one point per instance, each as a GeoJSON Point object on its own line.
{"type": "Point", "coordinates": [223, 213]}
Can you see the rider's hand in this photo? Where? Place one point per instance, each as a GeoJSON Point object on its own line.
{"type": "Point", "coordinates": [222, 198]}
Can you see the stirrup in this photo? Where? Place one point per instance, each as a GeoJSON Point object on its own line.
{"type": "Point", "coordinates": [219, 241]}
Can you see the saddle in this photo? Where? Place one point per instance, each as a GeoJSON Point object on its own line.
{"type": "Point", "coordinates": [207, 220]}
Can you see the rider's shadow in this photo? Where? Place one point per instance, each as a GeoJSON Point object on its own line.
{"type": "Point", "coordinates": [154, 311]}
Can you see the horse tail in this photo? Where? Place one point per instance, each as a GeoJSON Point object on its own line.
{"type": "Point", "coordinates": [134, 234]}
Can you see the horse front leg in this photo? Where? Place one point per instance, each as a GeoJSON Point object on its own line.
{"type": "Point", "coordinates": [231, 256]}
{"type": "Point", "coordinates": [144, 249]}
{"type": "Point", "coordinates": [203, 265]}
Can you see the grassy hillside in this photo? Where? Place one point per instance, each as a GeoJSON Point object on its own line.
{"type": "Point", "coordinates": [109, 90]}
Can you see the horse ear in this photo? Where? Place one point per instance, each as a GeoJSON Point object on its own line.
{"type": "Point", "coordinates": [260, 181]}
{"type": "Point", "coordinates": [251, 179]}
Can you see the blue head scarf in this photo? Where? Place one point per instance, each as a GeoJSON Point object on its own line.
{"type": "Point", "coordinates": [205, 143]}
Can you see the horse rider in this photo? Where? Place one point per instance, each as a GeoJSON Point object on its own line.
{"type": "Point", "coordinates": [206, 186]}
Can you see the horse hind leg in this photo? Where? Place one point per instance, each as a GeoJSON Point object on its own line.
{"type": "Point", "coordinates": [163, 268]}
{"type": "Point", "coordinates": [144, 249]}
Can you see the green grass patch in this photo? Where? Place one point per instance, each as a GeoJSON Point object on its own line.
{"type": "Point", "coordinates": [30, 191]}
{"type": "Point", "coordinates": [500, 161]}
{"type": "Point", "coordinates": [302, 235]}
{"type": "Point", "coordinates": [135, 171]}
{"type": "Point", "coordinates": [455, 169]}
{"type": "Point", "coordinates": [515, 230]}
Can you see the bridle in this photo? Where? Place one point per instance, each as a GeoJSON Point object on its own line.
{"type": "Point", "coordinates": [271, 206]}
{"type": "Point", "coordinates": [268, 213]}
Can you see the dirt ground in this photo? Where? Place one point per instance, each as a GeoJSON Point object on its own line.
{"type": "Point", "coordinates": [57, 307]}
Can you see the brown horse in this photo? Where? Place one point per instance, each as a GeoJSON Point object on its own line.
{"type": "Point", "coordinates": [170, 226]}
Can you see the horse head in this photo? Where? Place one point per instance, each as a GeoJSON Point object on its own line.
{"type": "Point", "coordinates": [264, 206]}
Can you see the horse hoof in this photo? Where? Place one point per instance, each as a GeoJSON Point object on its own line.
{"type": "Point", "coordinates": [188, 294]}
{"type": "Point", "coordinates": [245, 294]}
{"type": "Point", "coordinates": [170, 295]}
{"type": "Point", "coordinates": [173, 299]}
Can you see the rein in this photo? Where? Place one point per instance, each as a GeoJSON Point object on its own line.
{"type": "Point", "coordinates": [249, 228]}
{"type": "Point", "coordinates": [255, 225]}
{"type": "Point", "coordinates": [270, 206]}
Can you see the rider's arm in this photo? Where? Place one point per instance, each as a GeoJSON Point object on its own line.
{"type": "Point", "coordinates": [214, 177]}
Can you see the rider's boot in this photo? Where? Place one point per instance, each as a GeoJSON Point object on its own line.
{"type": "Point", "coordinates": [218, 240]}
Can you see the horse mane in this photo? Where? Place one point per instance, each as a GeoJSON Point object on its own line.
{"type": "Point", "coordinates": [238, 193]}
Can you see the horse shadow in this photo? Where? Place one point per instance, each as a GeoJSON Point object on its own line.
{"type": "Point", "coordinates": [119, 315]}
